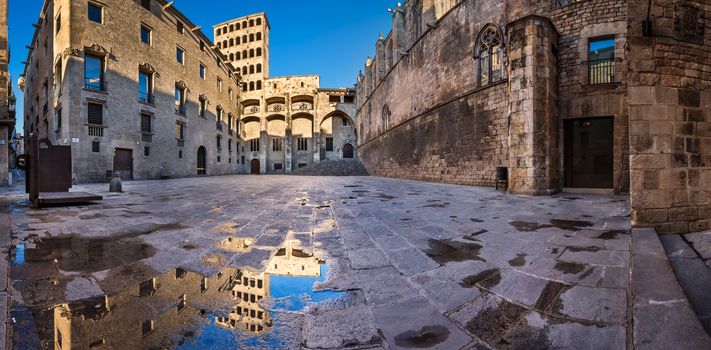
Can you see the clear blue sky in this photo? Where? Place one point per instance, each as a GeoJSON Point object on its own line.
{"type": "Point", "coordinates": [330, 38]}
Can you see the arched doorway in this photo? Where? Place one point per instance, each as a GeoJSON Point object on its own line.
{"type": "Point", "coordinates": [202, 161]}
{"type": "Point", "coordinates": [347, 151]}
{"type": "Point", "coordinates": [254, 164]}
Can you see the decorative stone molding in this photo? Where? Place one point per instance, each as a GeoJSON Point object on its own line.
{"type": "Point", "coordinates": [71, 52]}
{"type": "Point", "coordinates": [96, 48]}
{"type": "Point", "coordinates": [203, 97]}
{"type": "Point", "coordinates": [147, 67]}
{"type": "Point", "coordinates": [181, 84]}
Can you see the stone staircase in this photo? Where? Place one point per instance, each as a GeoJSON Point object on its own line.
{"type": "Point", "coordinates": [342, 167]}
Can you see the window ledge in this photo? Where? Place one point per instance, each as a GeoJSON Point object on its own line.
{"type": "Point", "coordinates": [96, 91]}
{"type": "Point", "coordinates": [605, 86]}
{"type": "Point", "coordinates": [490, 85]}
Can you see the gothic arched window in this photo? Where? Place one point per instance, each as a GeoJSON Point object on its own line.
{"type": "Point", "coordinates": [386, 118]}
{"type": "Point", "coordinates": [490, 55]}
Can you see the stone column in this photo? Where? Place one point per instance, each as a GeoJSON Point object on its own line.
{"type": "Point", "coordinates": [533, 122]}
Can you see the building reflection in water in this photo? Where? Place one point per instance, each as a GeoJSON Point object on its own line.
{"type": "Point", "coordinates": [166, 310]}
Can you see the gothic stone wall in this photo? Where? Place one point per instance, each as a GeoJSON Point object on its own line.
{"type": "Point", "coordinates": [670, 116]}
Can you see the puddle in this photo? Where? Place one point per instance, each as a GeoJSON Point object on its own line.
{"type": "Point", "coordinates": [234, 308]}
{"type": "Point", "coordinates": [519, 260]}
{"type": "Point", "coordinates": [426, 337]}
{"type": "Point", "coordinates": [569, 268]}
{"type": "Point", "coordinates": [444, 251]}
{"type": "Point", "coordinates": [436, 205]}
{"type": "Point", "coordinates": [471, 281]}
{"type": "Point", "coordinates": [385, 197]}
{"type": "Point", "coordinates": [611, 234]}
{"type": "Point", "coordinates": [566, 225]}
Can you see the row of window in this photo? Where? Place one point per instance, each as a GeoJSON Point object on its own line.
{"type": "Point", "coordinates": [302, 144]}
{"type": "Point", "coordinates": [245, 54]}
{"type": "Point", "coordinates": [251, 86]}
{"type": "Point", "coordinates": [237, 26]}
{"type": "Point", "coordinates": [238, 41]}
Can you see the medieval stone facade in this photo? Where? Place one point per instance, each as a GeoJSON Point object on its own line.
{"type": "Point", "coordinates": [7, 103]}
{"type": "Point", "coordinates": [134, 87]}
{"type": "Point", "coordinates": [286, 122]}
{"type": "Point", "coordinates": [563, 94]}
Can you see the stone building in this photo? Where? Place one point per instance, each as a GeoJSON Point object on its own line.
{"type": "Point", "coordinates": [576, 95]}
{"type": "Point", "coordinates": [7, 103]}
{"type": "Point", "coordinates": [134, 87]}
{"type": "Point", "coordinates": [286, 122]}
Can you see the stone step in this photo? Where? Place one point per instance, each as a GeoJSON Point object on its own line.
{"type": "Point", "coordinates": [662, 315]}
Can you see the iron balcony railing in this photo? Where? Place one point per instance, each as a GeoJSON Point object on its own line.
{"type": "Point", "coordinates": [94, 84]}
{"type": "Point", "coordinates": [96, 131]}
{"type": "Point", "coordinates": [146, 97]}
{"type": "Point", "coordinates": [601, 71]}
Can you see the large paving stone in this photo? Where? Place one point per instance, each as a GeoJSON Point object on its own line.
{"type": "Point", "coordinates": [514, 285]}
{"type": "Point", "coordinates": [417, 324]}
{"type": "Point", "coordinates": [367, 258]}
{"type": "Point", "coordinates": [443, 289]}
{"type": "Point", "coordinates": [671, 325]}
{"type": "Point", "coordinates": [488, 317]}
{"type": "Point", "coordinates": [340, 328]}
{"type": "Point", "coordinates": [411, 261]}
{"type": "Point", "coordinates": [701, 242]}
{"type": "Point", "coordinates": [594, 304]}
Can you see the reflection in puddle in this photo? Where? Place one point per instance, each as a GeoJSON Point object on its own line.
{"type": "Point", "coordinates": [235, 308]}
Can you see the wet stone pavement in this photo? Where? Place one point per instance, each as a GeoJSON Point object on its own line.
{"type": "Point", "coordinates": [287, 262]}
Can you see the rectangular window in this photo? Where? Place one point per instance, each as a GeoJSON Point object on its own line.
{"type": "Point", "coordinates": [58, 116]}
{"type": "Point", "coordinates": [58, 78]}
{"type": "Point", "coordinates": [180, 55]}
{"type": "Point", "coordinates": [202, 71]}
{"type": "Point", "coordinates": [95, 113]}
{"type": "Point", "coordinates": [229, 93]}
{"type": "Point", "coordinates": [145, 35]}
{"type": "Point", "coordinates": [277, 166]}
{"type": "Point", "coordinates": [229, 145]}
{"type": "Point", "coordinates": [179, 131]}
{"type": "Point", "coordinates": [95, 147]}
{"type": "Point", "coordinates": [601, 61]}
{"type": "Point", "coordinates": [203, 107]}
{"type": "Point", "coordinates": [146, 327]}
{"type": "Point", "coordinates": [96, 13]}
{"type": "Point", "coordinates": [146, 151]}
{"type": "Point", "coordinates": [58, 24]}
{"type": "Point", "coordinates": [145, 87]}
{"type": "Point", "coordinates": [277, 144]}
{"type": "Point", "coordinates": [219, 142]}
{"type": "Point", "coordinates": [146, 4]}
{"type": "Point", "coordinates": [94, 72]}
{"type": "Point", "coordinates": [329, 144]}
{"type": "Point", "coordinates": [180, 27]}
{"type": "Point", "coordinates": [179, 100]}
{"type": "Point", "coordinates": [302, 144]}
{"type": "Point", "coordinates": [254, 145]}
{"type": "Point", "coordinates": [345, 121]}
{"type": "Point", "coordinates": [146, 121]}
{"type": "Point", "coordinates": [219, 84]}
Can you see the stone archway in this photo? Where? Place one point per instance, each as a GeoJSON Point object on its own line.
{"type": "Point", "coordinates": [347, 151]}
{"type": "Point", "coordinates": [254, 167]}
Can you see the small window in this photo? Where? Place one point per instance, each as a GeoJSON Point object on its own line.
{"type": "Point", "coordinates": [179, 100]}
{"type": "Point", "coordinates": [202, 71]}
{"type": "Point", "coordinates": [180, 154]}
{"type": "Point", "coordinates": [58, 24]}
{"type": "Point", "coordinates": [146, 151]}
{"type": "Point", "coordinates": [229, 93]}
{"type": "Point", "coordinates": [203, 107]}
{"type": "Point", "coordinates": [146, 123]}
{"type": "Point", "coordinates": [251, 23]}
{"type": "Point", "coordinates": [145, 35]}
{"type": "Point", "coordinates": [96, 13]}
{"type": "Point", "coordinates": [146, 327]}
{"type": "Point", "coordinates": [219, 142]}
{"type": "Point", "coordinates": [601, 61]}
{"type": "Point", "coordinates": [219, 85]}
{"type": "Point", "coordinates": [180, 133]}
{"type": "Point", "coordinates": [345, 122]}
{"type": "Point", "coordinates": [180, 27]}
{"type": "Point", "coordinates": [254, 145]}
{"type": "Point", "coordinates": [58, 116]}
{"type": "Point", "coordinates": [180, 55]}
{"type": "Point", "coordinates": [259, 36]}
{"type": "Point", "coordinates": [146, 4]}
{"type": "Point", "coordinates": [329, 144]}
{"type": "Point", "coordinates": [95, 147]}
{"type": "Point", "coordinates": [302, 144]}
{"type": "Point", "coordinates": [95, 113]}
{"type": "Point", "coordinates": [277, 144]}
{"type": "Point", "coordinates": [219, 31]}
{"type": "Point", "coordinates": [277, 166]}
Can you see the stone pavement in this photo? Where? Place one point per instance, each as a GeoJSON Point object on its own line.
{"type": "Point", "coordinates": [427, 265]}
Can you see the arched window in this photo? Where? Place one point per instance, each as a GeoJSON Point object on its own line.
{"type": "Point", "coordinates": [251, 38]}
{"type": "Point", "coordinates": [490, 55]}
{"type": "Point", "coordinates": [238, 56]}
{"type": "Point", "coordinates": [224, 43]}
{"type": "Point", "coordinates": [259, 84]}
{"type": "Point", "coordinates": [219, 45]}
{"type": "Point", "coordinates": [386, 118]}
{"type": "Point", "coordinates": [244, 54]}
{"type": "Point", "coordinates": [251, 53]}
{"type": "Point", "coordinates": [251, 86]}
{"type": "Point", "coordinates": [232, 57]}
{"type": "Point", "coordinates": [244, 38]}
{"type": "Point", "coordinates": [251, 69]}
{"type": "Point", "coordinates": [232, 42]}
{"type": "Point", "coordinates": [259, 51]}
{"type": "Point", "coordinates": [244, 86]}
{"type": "Point", "coordinates": [244, 24]}
{"type": "Point", "coordinates": [251, 23]}
{"type": "Point", "coordinates": [244, 70]}
{"type": "Point", "coordinates": [219, 31]}
{"type": "Point", "coordinates": [259, 67]}
{"type": "Point", "coordinates": [259, 36]}
{"type": "Point", "coordinates": [232, 27]}
{"type": "Point", "coordinates": [259, 21]}
{"type": "Point", "coordinates": [237, 26]}
{"type": "Point", "coordinates": [224, 29]}
{"type": "Point", "coordinates": [237, 41]}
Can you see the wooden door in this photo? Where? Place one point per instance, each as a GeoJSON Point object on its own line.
{"type": "Point", "coordinates": [202, 161]}
{"type": "Point", "coordinates": [254, 164]}
{"type": "Point", "coordinates": [348, 151]}
{"type": "Point", "coordinates": [123, 163]}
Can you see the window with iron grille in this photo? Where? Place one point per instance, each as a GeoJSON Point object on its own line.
{"type": "Point", "coordinates": [146, 151]}
{"type": "Point", "coordinates": [302, 144]}
{"type": "Point", "coordinates": [277, 144]}
{"type": "Point", "coordinates": [95, 113]}
{"type": "Point", "coordinates": [146, 121]}
{"type": "Point", "coordinates": [329, 144]}
{"type": "Point", "coordinates": [601, 61]}
{"type": "Point", "coordinates": [254, 145]}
